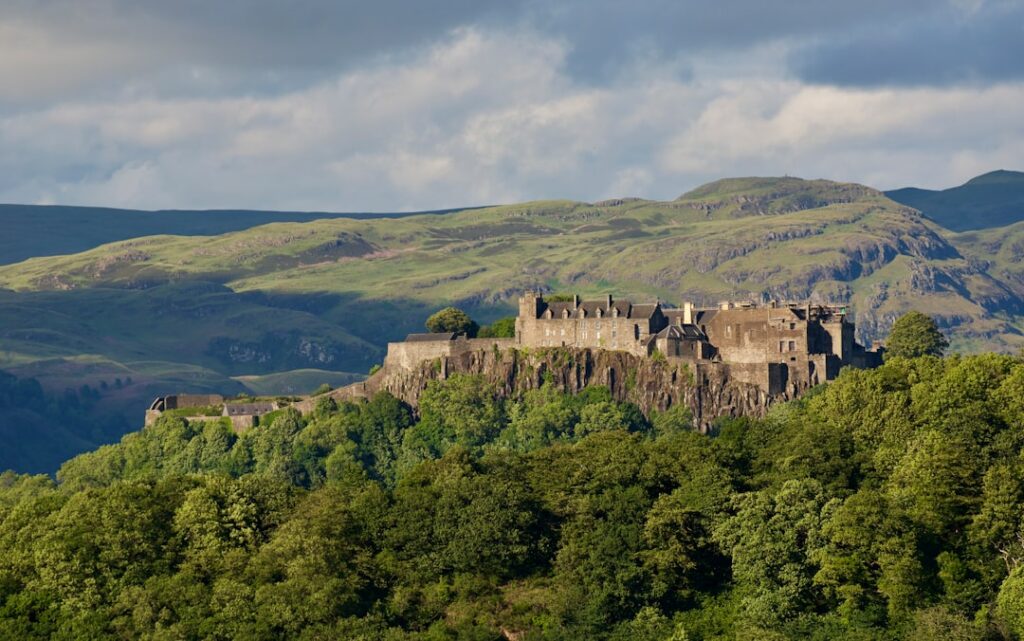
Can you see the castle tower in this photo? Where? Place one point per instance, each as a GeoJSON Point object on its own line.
{"type": "Point", "coordinates": [529, 304]}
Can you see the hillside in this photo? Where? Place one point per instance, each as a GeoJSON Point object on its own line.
{"type": "Point", "coordinates": [991, 200]}
{"type": "Point", "coordinates": [48, 230]}
{"type": "Point", "coordinates": [202, 313]}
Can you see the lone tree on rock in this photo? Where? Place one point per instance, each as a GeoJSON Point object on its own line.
{"type": "Point", "coordinates": [452, 319]}
{"type": "Point", "coordinates": [915, 334]}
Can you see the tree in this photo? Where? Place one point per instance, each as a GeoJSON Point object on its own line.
{"type": "Point", "coordinates": [452, 319]}
{"type": "Point", "coordinates": [501, 328]}
{"type": "Point", "coordinates": [772, 540]}
{"type": "Point", "coordinates": [915, 334]}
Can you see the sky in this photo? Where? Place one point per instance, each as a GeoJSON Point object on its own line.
{"type": "Point", "coordinates": [393, 105]}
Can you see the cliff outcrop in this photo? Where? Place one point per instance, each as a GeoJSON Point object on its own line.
{"type": "Point", "coordinates": [710, 390]}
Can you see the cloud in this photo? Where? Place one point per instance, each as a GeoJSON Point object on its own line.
{"type": "Point", "coordinates": [467, 122]}
{"type": "Point", "coordinates": [336, 106]}
{"type": "Point", "coordinates": [967, 42]}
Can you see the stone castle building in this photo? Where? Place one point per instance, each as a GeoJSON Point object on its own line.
{"type": "Point", "coordinates": [770, 344]}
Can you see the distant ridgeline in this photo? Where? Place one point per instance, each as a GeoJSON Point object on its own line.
{"type": "Point", "coordinates": [732, 360]}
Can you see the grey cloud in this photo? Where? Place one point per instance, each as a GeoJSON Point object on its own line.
{"type": "Point", "coordinates": [944, 47]}
{"type": "Point", "coordinates": [155, 47]}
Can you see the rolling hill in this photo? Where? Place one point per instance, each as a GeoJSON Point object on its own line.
{"type": "Point", "coordinates": [268, 304]}
{"type": "Point", "coordinates": [995, 199]}
{"type": "Point", "coordinates": [48, 230]}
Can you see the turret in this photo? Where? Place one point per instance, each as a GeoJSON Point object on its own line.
{"type": "Point", "coordinates": [529, 304]}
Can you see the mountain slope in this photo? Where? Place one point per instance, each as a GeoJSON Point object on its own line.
{"type": "Point", "coordinates": [45, 230]}
{"type": "Point", "coordinates": [991, 200]}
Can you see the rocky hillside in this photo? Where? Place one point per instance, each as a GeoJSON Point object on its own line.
{"type": "Point", "coordinates": [652, 385]}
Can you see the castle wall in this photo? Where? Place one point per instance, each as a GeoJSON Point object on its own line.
{"type": "Point", "coordinates": [408, 355]}
{"type": "Point", "coordinates": [608, 332]}
{"type": "Point", "coordinates": [179, 401]}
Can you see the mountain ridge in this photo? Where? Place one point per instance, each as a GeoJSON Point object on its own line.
{"type": "Point", "coordinates": [993, 199]}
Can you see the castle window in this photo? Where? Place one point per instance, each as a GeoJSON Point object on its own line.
{"type": "Point", "coordinates": [792, 346]}
{"type": "Point", "coordinates": [792, 325]}
{"type": "Point", "coordinates": [782, 346]}
{"type": "Point", "coordinates": [563, 332]}
{"type": "Point", "coordinates": [728, 331]}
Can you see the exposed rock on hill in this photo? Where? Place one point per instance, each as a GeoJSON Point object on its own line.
{"type": "Point", "coordinates": [708, 390]}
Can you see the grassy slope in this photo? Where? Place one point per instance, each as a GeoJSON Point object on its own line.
{"type": "Point", "coordinates": [43, 230]}
{"type": "Point", "coordinates": [784, 238]}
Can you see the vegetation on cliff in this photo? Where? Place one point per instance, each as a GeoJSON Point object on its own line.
{"type": "Point", "coordinates": [887, 505]}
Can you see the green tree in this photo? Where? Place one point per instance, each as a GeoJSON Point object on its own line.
{"type": "Point", "coordinates": [501, 328]}
{"type": "Point", "coordinates": [452, 319]}
{"type": "Point", "coordinates": [772, 540]}
{"type": "Point", "coordinates": [915, 334]}
{"type": "Point", "coordinates": [1010, 602]}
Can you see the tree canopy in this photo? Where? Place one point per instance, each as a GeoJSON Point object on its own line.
{"type": "Point", "coordinates": [886, 506]}
{"type": "Point", "coordinates": [915, 334]}
{"type": "Point", "coordinates": [452, 319]}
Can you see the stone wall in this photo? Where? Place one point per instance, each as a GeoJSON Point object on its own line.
{"type": "Point", "coordinates": [407, 355]}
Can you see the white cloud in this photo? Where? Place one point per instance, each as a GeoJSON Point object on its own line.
{"type": "Point", "coordinates": [488, 116]}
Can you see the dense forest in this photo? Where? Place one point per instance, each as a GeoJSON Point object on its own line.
{"type": "Point", "coordinates": [887, 504]}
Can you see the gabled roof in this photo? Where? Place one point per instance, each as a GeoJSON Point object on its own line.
{"type": "Point", "coordinates": [643, 311]}
{"type": "Point", "coordinates": [682, 332]}
{"type": "Point", "coordinates": [420, 338]}
{"type": "Point", "coordinates": [590, 308]}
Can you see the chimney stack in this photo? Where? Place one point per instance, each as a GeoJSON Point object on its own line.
{"type": "Point", "coordinates": [687, 313]}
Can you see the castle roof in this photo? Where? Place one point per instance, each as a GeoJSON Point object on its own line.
{"type": "Point", "coordinates": [702, 316]}
{"type": "Point", "coordinates": [681, 332]}
{"type": "Point", "coordinates": [437, 336]}
{"type": "Point", "coordinates": [643, 311]}
{"type": "Point", "coordinates": [625, 308]}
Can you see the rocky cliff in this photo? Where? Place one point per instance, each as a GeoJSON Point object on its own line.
{"type": "Point", "coordinates": [709, 390]}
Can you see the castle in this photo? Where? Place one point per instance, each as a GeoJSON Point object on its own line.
{"type": "Point", "coordinates": [818, 339]}
{"type": "Point", "coordinates": [781, 348]}
{"type": "Point", "coordinates": [777, 351]}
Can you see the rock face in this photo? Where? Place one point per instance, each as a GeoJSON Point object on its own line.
{"type": "Point", "coordinates": [709, 390]}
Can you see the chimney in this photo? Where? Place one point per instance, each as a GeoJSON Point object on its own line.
{"type": "Point", "coordinates": [609, 301]}
{"type": "Point", "coordinates": [687, 313]}
{"type": "Point", "coordinates": [575, 301]}
{"type": "Point", "coordinates": [724, 305]}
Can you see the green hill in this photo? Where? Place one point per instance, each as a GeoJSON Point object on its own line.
{"type": "Point", "coordinates": [204, 312]}
{"type": "Point", "coordinates": [48, 230]}
{"type": "Point", "coordinates": [991, 200]}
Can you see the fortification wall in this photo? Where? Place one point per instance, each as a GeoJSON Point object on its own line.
{"type": "Point", "coordinates": [408, 355]}
{"type": "Point", "coordinates": [179, 401]}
